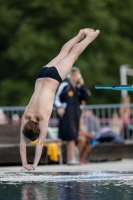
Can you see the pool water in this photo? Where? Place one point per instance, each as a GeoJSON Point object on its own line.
{"type": "Point", "coordinates": [66, 186]}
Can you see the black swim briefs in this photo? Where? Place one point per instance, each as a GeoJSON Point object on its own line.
{"type": "Point", "coordinates": [49, 72]}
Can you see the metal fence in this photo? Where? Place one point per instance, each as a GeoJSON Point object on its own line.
{"type": "Point", "coordinates": [103, 112]}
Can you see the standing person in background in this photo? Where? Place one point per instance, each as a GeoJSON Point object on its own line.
{"type": "Point", "coordinates": [68, 100]}
{"type": "Point", "coordinates": [125, 113]}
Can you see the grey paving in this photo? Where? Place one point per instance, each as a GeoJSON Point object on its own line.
{"type": "Point", "coordinates": [123, 165]}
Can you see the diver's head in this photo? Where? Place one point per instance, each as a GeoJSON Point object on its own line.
{"type": "Point", "coordinates": [31, 130]}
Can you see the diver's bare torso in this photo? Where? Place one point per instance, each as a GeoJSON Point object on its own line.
{"type": "Point", "coordinates": [41, 102]}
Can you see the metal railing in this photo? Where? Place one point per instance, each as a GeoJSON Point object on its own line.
{"type": "Point", "coordinates": [103, 112]}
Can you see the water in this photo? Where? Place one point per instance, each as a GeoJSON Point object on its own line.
{"type": "Point", "coordinates": [66, 186]}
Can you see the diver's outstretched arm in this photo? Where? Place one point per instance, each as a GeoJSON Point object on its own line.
{"type": "Point", "coordinates": [26, 166]}
{"type": "Point", "coordinates": [43, 125]}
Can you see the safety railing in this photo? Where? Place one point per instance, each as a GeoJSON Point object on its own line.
{"type": "Point", "coordinates": [105, 113]}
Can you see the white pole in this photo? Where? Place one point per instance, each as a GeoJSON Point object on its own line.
{"type": "Point", "coordinates": [123, 78]}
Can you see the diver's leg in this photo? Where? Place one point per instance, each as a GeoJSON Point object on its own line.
{"type": "Point", "coordinates": [67, 48]}
{"type": "Point", "coordinates": [65, 65]}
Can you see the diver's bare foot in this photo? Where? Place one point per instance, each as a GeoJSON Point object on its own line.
{"type": "Point", "coordinates": [92, 34]}
{"type": "Point", "coordinates": [89, 30]}
{"type": "Point", "coordinates": [82, 33]}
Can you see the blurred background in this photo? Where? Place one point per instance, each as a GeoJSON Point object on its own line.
{"type": "Point", "coordinates": [32, 33]}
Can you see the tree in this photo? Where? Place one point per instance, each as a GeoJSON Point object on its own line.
{"type": "Point", "coordinates": [32, 33]}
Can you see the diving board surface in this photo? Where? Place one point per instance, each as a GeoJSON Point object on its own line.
{"type": "Point", "coordinates": [115, 87]}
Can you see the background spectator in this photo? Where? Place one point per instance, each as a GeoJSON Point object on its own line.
{"type": "Point", "coordinates": [83, 142]}
{"type": "Point", "coordinates": [90, 121]}
{"type": "Point", "coordinates": [125, 110]}
{"type": "Point", "coordinates": [68, 100]}
{"type": "Point", "coordinates": [3, 118]}
{"type": "Point", "coordinates": [89, 129]}
{"type": "Point", "coordinates": [125, 113]}
{"type": "Point", "coordinates": [116, 124]}
{"type": "Point", "coordinates": [15, 119]}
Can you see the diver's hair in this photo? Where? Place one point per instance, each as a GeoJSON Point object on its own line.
{"type": "Point", "coordinates": [31, 130]}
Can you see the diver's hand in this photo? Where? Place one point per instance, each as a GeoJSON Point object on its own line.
{"type": "Point", "coordinates": [28, 167]}
{"type": "Point", "coordinates": [34, 166]}
{"type": "Point", "coordinates": [24, 170]}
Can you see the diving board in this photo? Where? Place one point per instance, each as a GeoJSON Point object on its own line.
{"type": "Point", "coordinates": [114, 87]}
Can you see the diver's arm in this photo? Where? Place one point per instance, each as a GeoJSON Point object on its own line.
{"type": "Point", "coordinates": [23, 144]}
{"type": "Point", "coordinates": [38, 152]}
{"type": "Point", "coordinates": [23, 153]}
{"type": "Point", "coordinates": [26, 166]}
{"type": "Point", "coordinates": [43, 125]}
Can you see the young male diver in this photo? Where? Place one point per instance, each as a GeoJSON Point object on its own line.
{"type": "Point", "coordinates": [37, 113]}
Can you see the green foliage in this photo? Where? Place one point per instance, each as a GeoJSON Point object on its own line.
{"type": "Point", "coordinates": [32, 33]}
